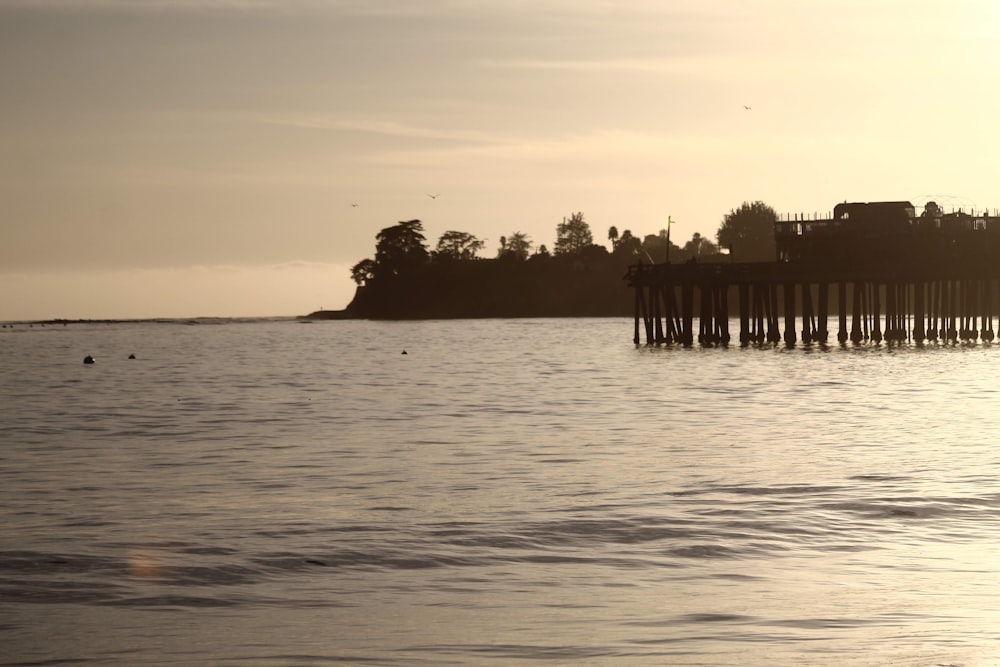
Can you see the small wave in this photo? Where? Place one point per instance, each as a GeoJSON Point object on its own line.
{"type": "Point", "coordinates": [706, 551]}
{"type": "Point", "coordinates": [191, 601]}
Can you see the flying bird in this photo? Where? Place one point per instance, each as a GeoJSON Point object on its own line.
{"type": "Point", "coordinates": [746, 107]}
{"type": "Point", "coordinates": [354, 205]}
{"type": "Point", "coordinates": [434, 196]}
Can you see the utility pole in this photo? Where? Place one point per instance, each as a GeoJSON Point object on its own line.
{"type": "Point", "coordinates": [670, 221]}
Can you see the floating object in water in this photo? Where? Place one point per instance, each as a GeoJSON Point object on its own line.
{"type": "Point", "coordinates": [88, 359]}
{"type": "Point", "coordinates": [404, 351]}
{"type": "Point", "coordinates": [131, 356]}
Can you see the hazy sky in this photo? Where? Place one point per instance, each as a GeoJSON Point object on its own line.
{"type": "Point", "coordinates": [201, 157]}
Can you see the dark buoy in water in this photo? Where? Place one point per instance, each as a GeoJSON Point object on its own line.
{"type": "Point", "coordinates": [404, 351]}
{"type": "Point", "coordinates": [88, 359]}
{"type": "Point", "coordinates": [131, 356]}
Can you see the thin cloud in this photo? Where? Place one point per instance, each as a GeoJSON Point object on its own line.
{"type": "Point", "coordinates": [594, 145]}
{"type": "Point", "coordinates": [384, 127]}
{"type": "Point", "coordinates": [605, 65]}
{"type": "Point", "coordinates": [141, 5]}
{"type": "Point", "coordinates": [369, 8]}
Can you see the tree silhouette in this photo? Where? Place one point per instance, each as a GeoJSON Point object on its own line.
{"type": "Point", "coordinates": [654, 248]}
{"type": "Point", "coordinates": [613, 237]}
{"type": "Point", "coordinates": [573, 235]}
{"type": "Point", "coordinates": [458, 245]}
{"type": "Point", "coordinates": [699, 246]}
{"type": "Point", "coordinates": [748, 232]}
{"type": "Point", "coordinates": [931, 210]}
{"type": "Point", "coordinates": [363, 271]}
{"type": "Point", "coordinates": [516, 246]}
{"type": "Point", "coordinates": [400, 249]}
{"type": "Point", "coordinates": [628, 246]}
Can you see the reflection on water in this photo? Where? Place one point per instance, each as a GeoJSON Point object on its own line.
{"type": "Point", "coordinates": [507, 492]}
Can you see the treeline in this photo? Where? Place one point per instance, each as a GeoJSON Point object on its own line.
{"type": "Point", "coordinates": [578, 277]}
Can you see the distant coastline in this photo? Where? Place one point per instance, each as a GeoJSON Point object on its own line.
{"type": "Point", "coordinates": [147, 320]}
{"type": "Point", "coordinates": [330, 315]}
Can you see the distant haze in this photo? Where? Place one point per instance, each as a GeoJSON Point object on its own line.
{"type": "Point", "coordinates": [202, 157]}
{"type": "Point", "coordinates": [217, 291]}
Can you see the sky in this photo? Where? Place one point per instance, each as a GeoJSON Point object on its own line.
{"type": "Point", "coordinates": [234, 158]}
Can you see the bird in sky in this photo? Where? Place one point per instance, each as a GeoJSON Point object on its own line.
{"type": "Point", "coordinates": [746, 107]}
{"type": "Point", "coordinates": [433, 196]}
{"type": "Point", "coordinates": [354, 205]}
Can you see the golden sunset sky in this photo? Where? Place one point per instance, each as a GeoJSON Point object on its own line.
{"type": "Point", "coordinates": [201, 157]}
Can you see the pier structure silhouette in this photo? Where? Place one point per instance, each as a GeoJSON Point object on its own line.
{"type": "Point", "coordinates": [868, 273]}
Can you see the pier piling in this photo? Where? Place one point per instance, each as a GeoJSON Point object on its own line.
{"type": "Point", "coordinates": [693, 304]}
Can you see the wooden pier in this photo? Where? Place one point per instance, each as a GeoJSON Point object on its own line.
{"type": "Point", "coordinates": [890, 277]}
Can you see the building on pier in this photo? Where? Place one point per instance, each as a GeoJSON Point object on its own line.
{"type": "Point", "coordinates": [869, 272]}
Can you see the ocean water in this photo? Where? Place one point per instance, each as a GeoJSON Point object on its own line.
{"type": "Point", "coordinates": [508, 492]}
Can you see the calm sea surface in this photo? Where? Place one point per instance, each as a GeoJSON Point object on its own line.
{"type": "Point", "coordinates": [508, 492]}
